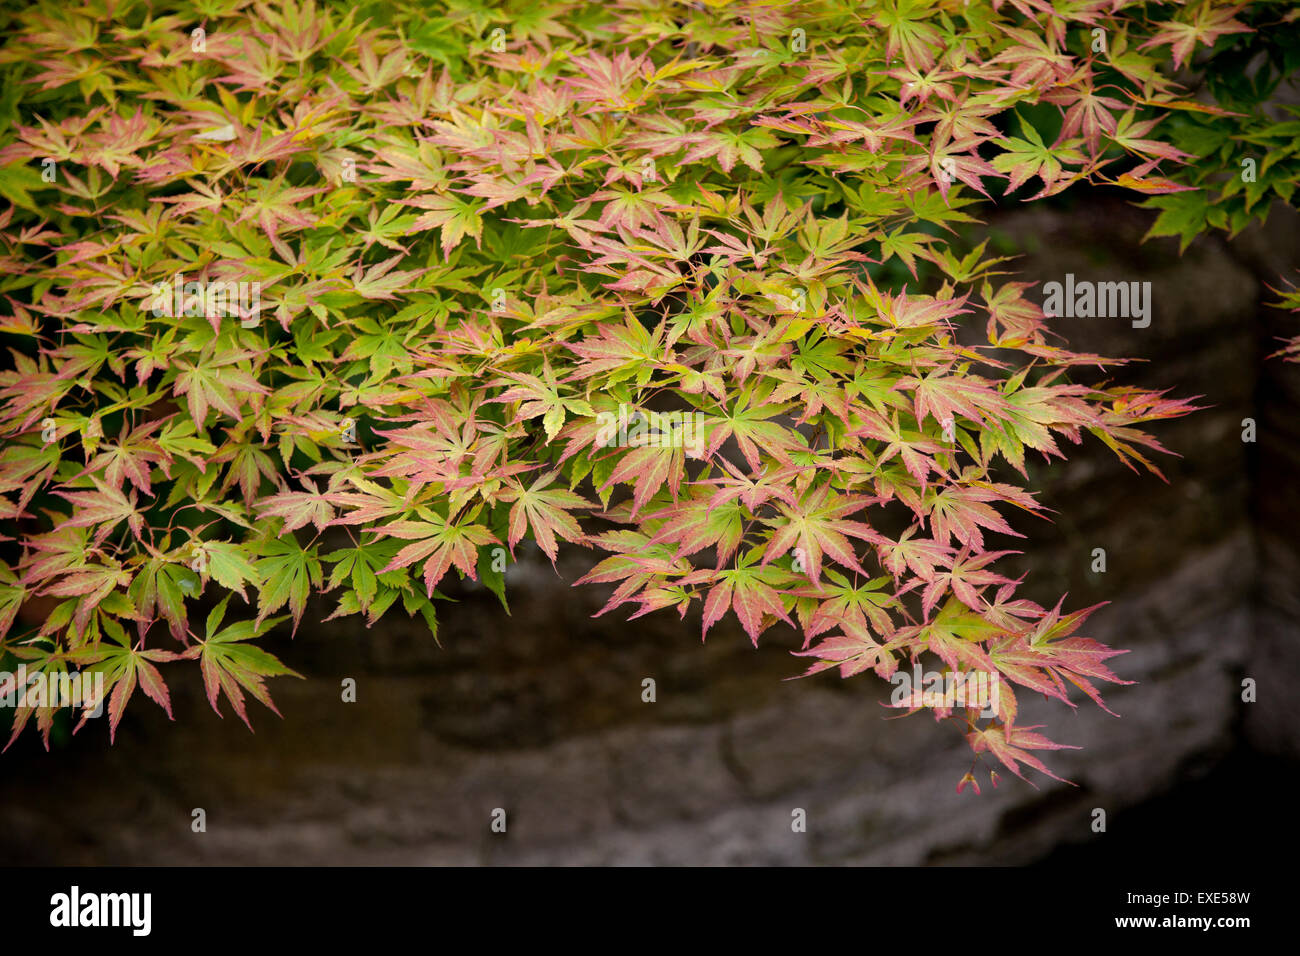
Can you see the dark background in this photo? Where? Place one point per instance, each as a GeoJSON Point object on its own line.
{"type": "Point", "coordinates": [540, 713]}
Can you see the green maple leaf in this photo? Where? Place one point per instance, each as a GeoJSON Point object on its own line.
{"type": "Point", "coordinates": [1181, 214]}
{"type": "Point", "coordinates": [362, 566]}
{"type": "Point", "coordinates": [229, 565]}
{"type": "Point", "coordinates": [160, 588]}
{"type": "Point", "coordinates": [1028, 157]}
{"type": "Point", "coordinates": [230, 666]}
{"type": "Point", "coordinates": [286, 573]}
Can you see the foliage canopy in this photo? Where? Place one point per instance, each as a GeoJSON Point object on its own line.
{"type": "Point", "coordinates": [471, 237]}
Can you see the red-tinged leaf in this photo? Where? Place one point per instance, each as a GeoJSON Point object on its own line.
{"type": "Point", "coordinates": [1012, 745]}
{"type": "Point", "coordinates": [121, 667]}
{"type": "Point", "coordinates": [383, 280]}
{"type": "Point", "coordinates": [648, 469]}
{"type": "Point", "coordinates": [218, 386]}
{"type": "Point", "coordinates": [442, 545]}
{"type": "Point", "coordinates": [751, 593]}
{"type": "Point", "coordinates": [959, 512]}
{"type": "Point", "coordinates": [102, 509]}
{"type": "Point", "coordinates": [455, 218]}
{"type": "Point", "coordinates": [545, 511]}
{"type": "Point", "coordinates": [819, 527]}
{"type": "Point", "coordinates": [1152, 185]}
{"type": "Point", "coordinates": [852, 652]}
{"type": "Point", "coordinates": [1208, 23]}
{"type": "Point", "coordinates": [298, 509]}
{"type": "Point", "coordinates": [701, 523]}
{"type": "Point", "coordinates": [921, 556]}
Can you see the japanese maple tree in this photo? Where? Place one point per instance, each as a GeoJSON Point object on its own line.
{"type": "Point", "coordinates": [476, 234]}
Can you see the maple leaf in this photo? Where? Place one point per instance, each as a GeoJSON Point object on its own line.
{"type": "Point", "coordinates": [541, 396]}
{"type": "Point", "coordinates": [960, 512]}
{"type": "Point", "coordinates": [215, 384]}
{"type": "Point", "coordinates": [906, 246]}
{"type": "Point", "coordinates": [275, 207]}
{"type": "Point", "coordinates": [380, 281]}
{"type": "Point", "coordinates": [728, 148]}
{"type": "Point", "coordinates": [454, 218]}
{"type": "Point", "coordinates": [1049, 650]}
{"type": "Point", "coordinates": [919, 555]}
{"type": "Point", "coordinates": [906, 31]}
{"type": "Point", "coordinates": [607, 81]}
{"type": "Point", "coordinates": [617, 351]}
{"type": "Point", "coordinates": [545, 512]}
{"type": "Point", "coordinates": [944, 397]}
{"type": "Point", "coordinates": [285, 575]}
{"type": "Point", "coordinates": [441, 543]}
{"type": "Point", "coordinates": [361, 566]}
{"type": "Point", "coordinates": [648, 468]}
{"type": "Point", "coordinates": [1131, 133]}
{"type": "Point", "coordinates": [834, 601]}
{"type": "Point", "coordinates": [1208, 24]}
{"type": "Point", "coordinates": [160, 589]}
{"type": "Point", "coordinates": [1011, 745]}
{"type": "Point", "coordinates": [124, 667]}
{"type": "Point", "coordinates": [956, 634]}
{"type": "Point", "coordinates": [227, 564]}
{"type": "Point", "coordinates": [298, 509]}
{"type": "Point", "coordinates": [375, 74]}
{"type": "Point", "coordinates": [965, 577]}
{"type": "Point", "coordinates": [369, 502]}
{"type": "Point", "coordinates": [1089, 114]}
{"type": "Point", "coordinates": [852, 652]}
{"type": "Point", "coordinates": [1030, 156]}
{"type": "Point", "coordinates": [1012, 317]}
{"type": "Point", "coordinates": [130, 458]}
{"type": "Point", "coordinates": [231, 666]}
{"type": "Point", "coordinates": [818, 527]}
{"type": "Point", "coordinates": [635, 562]}
{"type": "Point", "coordinates": [700, 523]}
{"type": "Point", "coordinates": [749, 590]}
{"type": "Point", "coordinates": [750, 425]}
{"type": "Point", "coordinates": [102, 509]}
